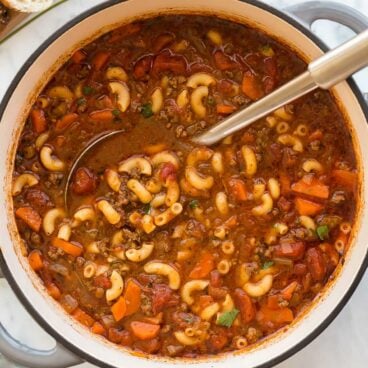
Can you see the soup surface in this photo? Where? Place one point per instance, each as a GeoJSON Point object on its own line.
{"type": "Point", "coordinates": [170, 248]}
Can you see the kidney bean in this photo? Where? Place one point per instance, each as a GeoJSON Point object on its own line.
{"type": "Point", "coordinates": [142, 66]}
{"type": "Point", "coordinates": [167, 61]}
{"type": "Point", "coordinates": [316, 264]}
{"type": "Point", "coordinates": [84, 182]}
{"type": "Point", "coordinates": [245, 305]}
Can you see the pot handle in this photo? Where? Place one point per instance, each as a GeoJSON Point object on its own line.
{"type": "Point", "coordinates": [310, 11]}
{"type": "Point", "coordinates": [17, 352]}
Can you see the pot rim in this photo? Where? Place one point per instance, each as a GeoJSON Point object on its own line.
{"type": "Point", "coordinates": [11, 279]}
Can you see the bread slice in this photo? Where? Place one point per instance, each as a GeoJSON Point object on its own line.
{"type": "Point", "coordinates": [27, 6]}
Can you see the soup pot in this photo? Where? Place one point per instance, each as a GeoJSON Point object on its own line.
{"type": "Point", "coordinates": [74, 342]}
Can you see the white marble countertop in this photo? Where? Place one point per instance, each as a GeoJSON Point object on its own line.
{"type": "Point", "coordinates": [341, 345]}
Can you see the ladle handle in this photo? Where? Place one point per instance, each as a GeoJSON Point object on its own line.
{"type": "Point", "coordinates": [338, 64]}
{"type": "Point", "coordinates": [323, 72]}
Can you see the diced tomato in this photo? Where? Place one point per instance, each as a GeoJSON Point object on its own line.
{"type": "Point", "coordinates": [102, 282]}
{"type": "Point", "coordinates": [289, 250]}
{"type": "Point", "coordinates": [163, 297]}
{"type": "Point", "coordinates": [168, 172]}
{"type": "Point", "coordinates": [218, 340]}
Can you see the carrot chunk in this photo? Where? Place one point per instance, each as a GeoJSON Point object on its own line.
{"type": "Point", "coordinates": [204, 266]}
{"type": "Point", "coordinates": [98, 329]}
{"type": "Point", "coordinates": [74, 249]}
{"type": "Point", "coordinates": [35, 260]}
{"type": "Point", "coordinates": [78, 56]}
{"type": "Point", "coordinates": [237, 189]}
{"type": "Point", "coordinates": [144, 331]}
{"type": "Point", "coordinates": [53, 290]}
{"type": "Point", "coordinates": [346, 178]}
{"type": "Point", "coordinates": [132, 296]}
{"type": "Point", "coordinates": [279, 316]}
{"type": "Point", "coordinates": [82, 317]}
{"type": "Point", "coordinates": [118, 309]}
{"type": "Point", "coordinates": [314, 188]}
{"type": "Point", "coordinates": [102, 115]}
{"type": "Point", "coordinates": [306, 207]}
{"type": "Point", "coordinates": [100, 59]}
{"type": "Point", "coordinates": [38, 121]}
{"type": "Point", "coordinates": [225, 109]}
{"type": "Point", "coordinates": [30, 217]}
{"type": "Point", "coordinates": [66, 121]}
{"type": "Point", "coordinates": [251, 86]}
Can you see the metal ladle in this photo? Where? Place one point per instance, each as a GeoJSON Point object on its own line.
{"type": "Point", "coordinates": [324, 72]}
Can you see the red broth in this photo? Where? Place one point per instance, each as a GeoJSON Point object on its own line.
{"type": "Point", "coordinates": [166, 247]}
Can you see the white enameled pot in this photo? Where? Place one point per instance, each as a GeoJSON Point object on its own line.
{"type": "Point", "coordinates": [75, 343]}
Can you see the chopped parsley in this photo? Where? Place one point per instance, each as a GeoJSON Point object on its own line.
{"type": "Point", "coordinates": [267, 264]}
{"type": "Point", "coordinates": [116, 112]}
{"type": "Point", "coordinates": [226, 319]}
{"type": "Point", "coordinates": [193, 204]}
{"type": "Point", "coordinates": [87, 90]}
{"type": "Point", "coordinates": [211, 101]}
{"type": "Point", "coordinates": [146, 110]}
{"type": "Point", "coordinates": [147, 208]}
{"type": "Point", "coordinates": [323, 232]}
{"type": "Point", "coordinates": [267, 50]}
{"type": "Point", "coordinates": [81, 101]}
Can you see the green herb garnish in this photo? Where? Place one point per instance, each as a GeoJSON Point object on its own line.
{"type": "Point", "coordinates": [323, 232]}
{"type": "Point", "coordinates": [267, 264]}
{"type": "Point", "coordinates": [87, 90]}
{"type": "Point", "coordinates": [193, 204]}
{"type": "Point", "coordinates": [147, 208]}
{"type": "Point", "coordinates": [226, 319]}
{"type": "Point", "coordinates": [267, 50]}
{"type": "Point", "coordinates": [146, 110]}
{"type": "Point", "coordinates": [116, 112]}
{"type": "Point", "coordinates": [81, 101]}
{"type": "Point", "coordinates": [211, 101]}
